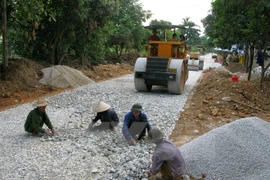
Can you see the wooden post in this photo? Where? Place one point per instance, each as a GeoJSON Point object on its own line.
{"type": "Point", "coordinates": [5, 46]}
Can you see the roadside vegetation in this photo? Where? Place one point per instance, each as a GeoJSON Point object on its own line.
{"type": "Point", "coordinates": [100, 32]}
{"type": "Point", "coordinates": [245, 23]}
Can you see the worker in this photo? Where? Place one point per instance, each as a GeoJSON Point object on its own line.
{"type": "Point", "coordinates": [174, 47]}
{"type": "Point", "coordinates": [182, 38]}
{"type": "Point", "coordinates": [182, 50]}
{"type": "Point", "coordinates": [154, 36]}
{"type": "Point", "coordinates": [174, 37]}
{"type": "Point", "coordinates": [154, 47]}
{"type": "Point", "coordinates": [37, 118]}
{"type": "Point", "coordinates": [107, 115]}
{"type": "Point", "coordinates": [167, 158]}
{"type": "Point", "coordinates": [135, 124]}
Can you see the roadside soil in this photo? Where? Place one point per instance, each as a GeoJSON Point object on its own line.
{"type": "Point", "coordinates": [204, 109]}
{"type": "Point", "coordinates": [22, 80]}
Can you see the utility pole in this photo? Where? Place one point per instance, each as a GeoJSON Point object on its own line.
{"type": "Point", "coordinates": [4, 32]}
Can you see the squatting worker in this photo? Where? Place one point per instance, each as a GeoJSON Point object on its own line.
{"type": "Point", "coordinates": [167, 158]}
{"type": "Point", "coordinates": [37, 118]}
{"type": "Point", "coordinates": [135, 124]}
{"type": "Point", "coordinates": [107, 115]}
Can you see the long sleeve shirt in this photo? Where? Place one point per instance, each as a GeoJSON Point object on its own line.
{"type": "Point", "coordinates": [35, 120]}
{"type": "Point", "coordinates": [106, 116]}
{"type": "Point", "coordinates": [167, 151]}
{"type": "Point", "coordinates": [129, 119]}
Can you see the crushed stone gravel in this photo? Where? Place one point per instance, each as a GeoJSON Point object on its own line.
{"type": "Point", "coordinates": [77, 153]}
{"type": "Point", "coordinates": [236, 151]}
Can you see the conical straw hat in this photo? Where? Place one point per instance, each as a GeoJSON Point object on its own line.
{"type": "Point", "coordinates": [101, 106]}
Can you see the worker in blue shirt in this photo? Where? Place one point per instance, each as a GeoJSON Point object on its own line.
{"type": "Point", "coordinates": [135, 124]}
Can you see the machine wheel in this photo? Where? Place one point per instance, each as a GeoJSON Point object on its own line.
{"type": "Point", "coordinates": [201, 58]}
{"type": "Point", "coordinates": [201, 63]}
{"type": "Point", "coordinates": [140, 66]}
{"type": "Point", "coordinates": [193, 64]}
{"type": "Point", "coordinates": [186, 71]}
{"type": "Point", "coordinates": [177, 86]}
{"type": "Point", "coordinates": [149, 87]}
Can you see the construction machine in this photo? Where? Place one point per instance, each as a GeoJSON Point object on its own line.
{"type": "Point", "coordinates": [196, 59]}
{"type": "Point", "coordinates": [165, 65]}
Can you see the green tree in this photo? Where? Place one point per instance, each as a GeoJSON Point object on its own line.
{"type": "Point", "coordinates": [192, 33]}
{"type": "Point", "coordinates": [54, 30]}
{"type": "Point", "coordinates": [125, 31]}
{"type": "Point", "coordinates": [241, 22]}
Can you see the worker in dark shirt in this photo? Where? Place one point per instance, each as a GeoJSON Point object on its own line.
{"type": "Point", "coordinates": [135, 124]}
{"type": "Point", "coordinates": [154, 36]}
{"type": "Point", "coordinates": [37, 118]}
{"type": "Point", "coordinates": [107, 115]}
{"type": "Point", "coordinates": [154, 47]}
{"type": "Point", "coordinates": [260, 58]}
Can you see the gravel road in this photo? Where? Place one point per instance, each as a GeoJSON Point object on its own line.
{"type": "Point", "coordinates": [77, 153]}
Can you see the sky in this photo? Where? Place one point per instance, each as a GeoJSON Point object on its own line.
{"type": "Point", "coordinates": [175, 10]}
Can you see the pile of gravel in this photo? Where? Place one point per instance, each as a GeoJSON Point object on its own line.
{"type": "Point", "coordinates": [64, 76]}
{"type": "Point", "coordinates": [239, 150]}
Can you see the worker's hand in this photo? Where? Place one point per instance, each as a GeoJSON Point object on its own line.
{"type": "Point", "coordinates": [149, 173]}
{"type": "Point", "coordinates": [90, 126]}
{"type": "Point", "coordinates": [48, 133]}
{"type": "Point", "coordinates": [131, 141]}
{"type": "Point", "coordinates": [111, 128]}
{"type": "Point", "coordinates": [53, 131]}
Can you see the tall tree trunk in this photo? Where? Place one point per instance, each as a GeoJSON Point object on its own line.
{"type": "Point", "coordinates": [4, 32]}
{"type": "Point", "coordinates": [262, 77]}
{"type": "Point", "coordinates": [250, 61]}
{"type": "Point", "coordinates": [246, 61]}
{"type": "Point", "coordinates": [55, 59]}
{"type": "Point", "coordinates": [264, 68]}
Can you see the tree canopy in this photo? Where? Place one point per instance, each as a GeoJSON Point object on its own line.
{"type": "Point", "coordinates": [243, 22]}
{"type": "Point", "coordinates": [57, 30]}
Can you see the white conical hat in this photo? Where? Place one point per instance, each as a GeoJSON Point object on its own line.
{"type": "Point", "coordinates": [101, 106]}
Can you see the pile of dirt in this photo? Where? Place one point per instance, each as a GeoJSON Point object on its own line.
{"type": "Point", "coordinates": [23, 75]}
{"type": "Point", "coordinates": [108, 71]}
{"type": "Point", "coordinates": [205, 109]}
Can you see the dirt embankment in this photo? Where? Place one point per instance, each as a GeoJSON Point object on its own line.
{"type": "Point", "coordinates": [22, 82]}
{"type": "Point", "coordinates": [205, 109]}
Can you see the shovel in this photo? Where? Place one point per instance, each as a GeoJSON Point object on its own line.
{"type": "Point", "coordinates": [228, 99]}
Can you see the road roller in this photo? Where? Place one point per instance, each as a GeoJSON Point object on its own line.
{"type": "Point", "coordinates": [195, 61]}
{"type": "Point", "coordinates": [165, 65]}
